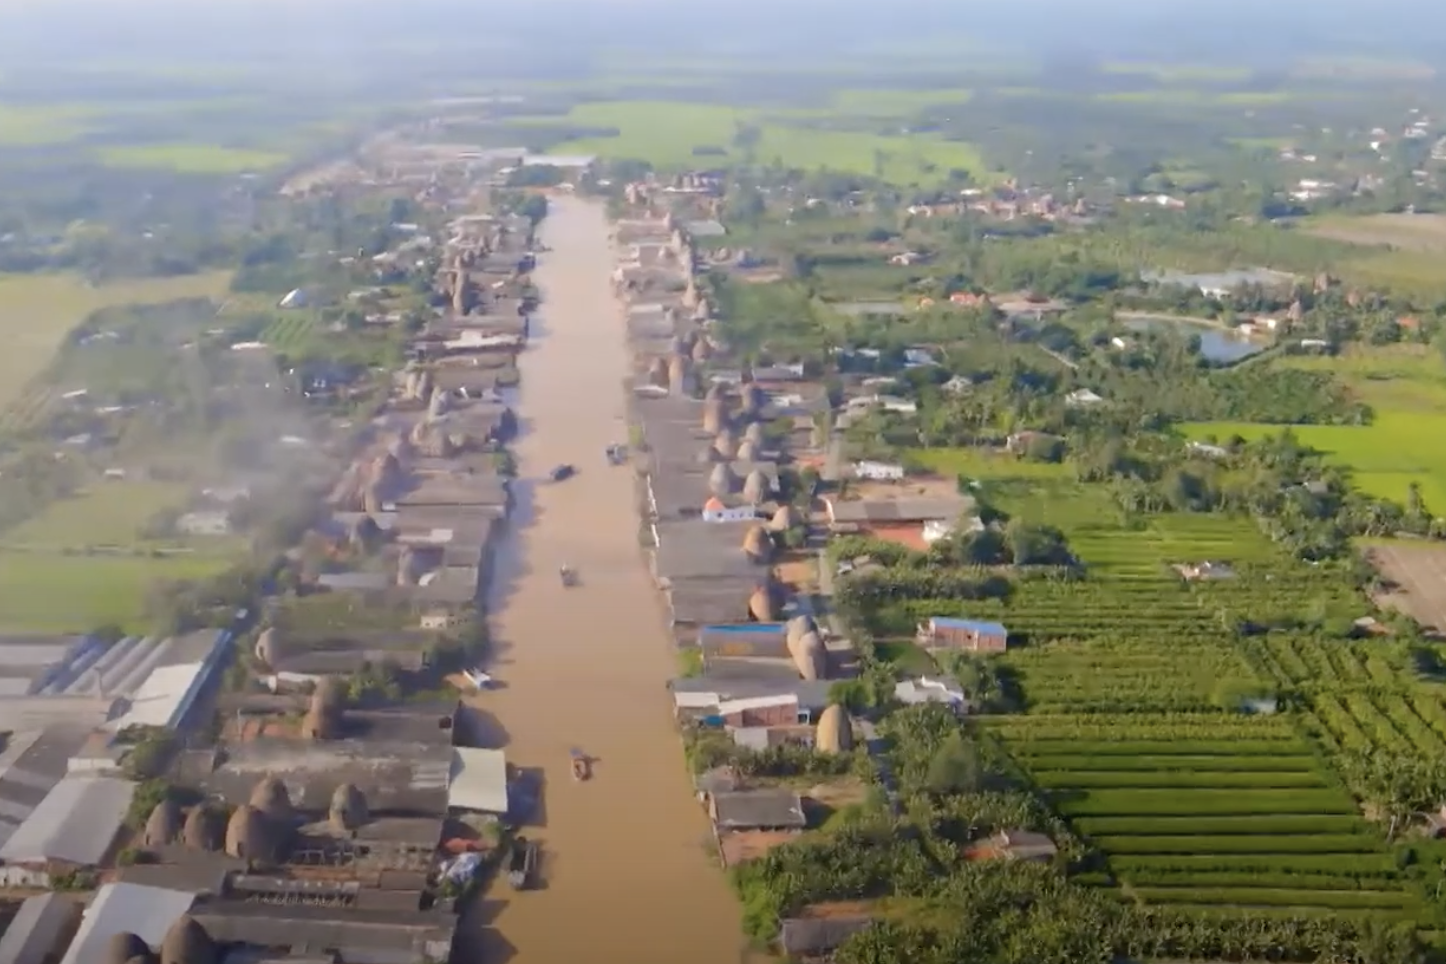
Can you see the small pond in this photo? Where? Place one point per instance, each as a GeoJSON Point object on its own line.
{"type": "Point", "coordinates": [1217, 346]}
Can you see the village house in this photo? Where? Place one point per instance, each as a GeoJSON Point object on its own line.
{"type": "Point", "coordinates": [1082, 397]}
{"type": "Point", "coordinates": [913, 692]}
{"type": "Point", "coordinates": [716, 510]}
{"type": "Point", "coordinates": [968, 635]}
{"type": "Point", "coordinates": [878, 471]}
{"type": "Point", "coordinates": [915, 522]}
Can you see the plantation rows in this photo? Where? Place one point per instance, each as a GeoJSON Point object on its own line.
{"type": "Point", "coordinates": [1125, 675]}
{"type": "Point", "coordinates": [1231, 811]}
{"type": "Point", "coordinates": [287, 331]}
{"type": "Point", "coordinates": [1364, 722]}
{"type": "Point", "coordinates": [1335, 665]}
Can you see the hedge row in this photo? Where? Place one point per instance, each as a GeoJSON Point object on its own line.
{"type": "Point", "coordinates": [1358, 865]}
{"type": "Point", "coordinates": [1247, 879]}
{"type": "Point", "coordinates": [1274, 898]}
{"type": "Point", "coordinates": [1106, 803]}
{"type": "Point", "coordinates": [1183, 826]}
{"type": "Point", "coordinates": [1288, 744]}
{"type": "Point", "coordinates": [1320, 843]}
{"type": "Point", "coordinates": [1193, 763]}
{"type": "Point", "coordinates": [1050, 779]}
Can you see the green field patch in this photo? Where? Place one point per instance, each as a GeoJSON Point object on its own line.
{"type": "Point", "coordinates": [1120, 802]}
{"type": "Point", "coordinates": [37, 311]}
{"type": "Point", "coordinates": [40, 126]}
{"type": "Point", "coordinates": [896, 103]}
{"type": "Point", "coordinates": [668, 133]}
{"type": "Point", "coordinates": [49, 593]}
{"type": "Point", "coordinates": [108, 514]}
{"type": "Point", "coordinates": [1384, 457]}
{"type": "Point", "coordinates": [1359, 865]}
{"type": "Point", "coordinates": [1264, 897]}
{"type": "Point", "coordinates": [983, 464]}
{"type": "Point", "coordinates": [1272, 824]}
{"type": "Point", "coordinates": [1121, 763]}
{"type": "Point", "coordinates": [192, 158]}
{"type": "Point", "coordinates": [1182, 779]}
{"type": "Point", "coordinates": [1322, 843]}
{"type": "Point", "coordinates": [1287, 743]}
{"type": "Point", "coordinates": [1252, 881]}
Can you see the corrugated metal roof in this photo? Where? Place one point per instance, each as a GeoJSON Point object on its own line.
{"type": "Point", "coordinates": [76, 822]}
{"type": "Point", "coordinates": [147, 912]}
{"type": "Point", "coordinates": [36, 929]}
{"type": "Point", "coordinates": [478, 780]}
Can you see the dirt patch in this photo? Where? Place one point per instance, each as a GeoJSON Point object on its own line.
{"type": "Point", "coordinates": [1409, 232]}
{"type": "Point", "coordinates": [799, 574]}
{"type": "Point", "coordinates": [839, 793]}
{"type": "Point", "coordinates": [744, 845]}
{"type": "Point", "coordinates": [907, 534]}
{"type": "Point", "coordinates": [832, 909]}
{"type": "Point", "coordinates": [1416, 577]}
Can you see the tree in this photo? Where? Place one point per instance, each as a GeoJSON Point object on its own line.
{"type": "Point", "coordinates": [955, 767]}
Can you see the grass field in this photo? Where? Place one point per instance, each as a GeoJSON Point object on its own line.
{"type": "Point", "coordinates": [1412, 232]}
{"type": "Point", "coordinates": [668, 133]}
{"type": "Point", "coordinates": [51, 593]}
{"type": "Point", "coordinates": [192, 158]}
{"type": "Point", "coordinates": [38, 126]}
{"type": "Point", "coordinates": [37, 311]}
{"type": "Point", "coordinates": [980, 464]}
{"type": "Point", "coordinates": [1406, 385]}
{"type": "Point", "coordinates": [111, 513]}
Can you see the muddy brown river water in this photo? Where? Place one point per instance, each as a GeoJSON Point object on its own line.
{"type": "Point", "coordinates": [626, 874]}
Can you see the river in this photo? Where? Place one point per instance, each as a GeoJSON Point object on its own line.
{"type": "Point", "coordinates": [626, 875]}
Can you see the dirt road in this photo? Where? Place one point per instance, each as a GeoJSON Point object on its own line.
{"type": "Point", "coordinates": [626, 876]}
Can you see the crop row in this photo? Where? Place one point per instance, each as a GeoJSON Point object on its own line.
{"type": "Point", "coordinates": [1142, 728]}
{"type": "Point", "coordinates": [1182, 779]}
{"type": "Point", "coordinates": [1122, 803]}
{"type": "Point", "coordinates": [1266, 824]}
{"type": "Point", "coordinates": [1372, 865]}
{"type": "Point", "coordinates": [1245, 880]}
{"type": "Point", "coordinates": [1291, 913]}
{"type": "Point", "coordinates": [1205, 763]}
{"type": "Point", "coordinates": [1274, 898]}
{"type": "Point", "coordinates": [1287, 746]}
{"type": "Point", "coordinates": [1322, 843]}
{"type": "Point", "coordinates": [285, 332]}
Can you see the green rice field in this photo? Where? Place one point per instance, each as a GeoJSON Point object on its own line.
{"type": "Point", "coordinates": [669, 133]}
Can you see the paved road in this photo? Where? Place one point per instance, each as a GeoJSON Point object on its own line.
{"type": "Point", "coordinates": [627, 877]}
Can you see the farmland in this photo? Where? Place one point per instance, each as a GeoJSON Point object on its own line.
{"type": "Point", "coordinates": [1211, 811]}
{"type": "Point", "coordinates": [670, 133]}
{"type": "Point", "coordinates": [1406, 385]}
{"type": "Point", "coordinates": [288, 332]}
{"type": "Point", "coordinates": [1196, 759]}
{"type": "Point", "coordinates": [187, 158]}
{"type": "Point", "coordinates": [37, 311]}
{"type": "Point", "coordinates": [54, 593]}
{"type": "Point", "coordinates": [109, 514]}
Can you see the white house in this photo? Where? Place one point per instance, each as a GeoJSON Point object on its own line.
{"type": "Point", "coordinates": [1083, 396]}
{"type": "Point", "coordinates": [926, 690]}
{"type": "Point", "coordinates": [957, 385]}
{"type": "Point", "coordinates": [878, 471]}
{"type": "Point", "coordinates": [714, 510]}
{"type": "Point", "coordinates": [893, 403]}
{"type": "Point", "coordinates": [295, 298]}
{"type": "Point", "coordinates": [1210, 451]}
{"type": "Point", "coordinates": [918, 358]}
